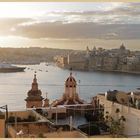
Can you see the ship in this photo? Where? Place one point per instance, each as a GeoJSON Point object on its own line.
{"type": "Point", "coordinates": [5, 68]}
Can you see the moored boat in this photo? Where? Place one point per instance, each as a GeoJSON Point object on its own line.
{"type": "Point", "coordinates": [4, 67]}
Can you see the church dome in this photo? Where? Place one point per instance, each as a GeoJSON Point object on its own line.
{"type": "Point", "coordinates": [70, 82]}
{"type": "Point", "coordinates": [122, 47]}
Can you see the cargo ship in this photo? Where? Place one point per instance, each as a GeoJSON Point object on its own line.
{"type": "Point", "coordinates": [4, 67]}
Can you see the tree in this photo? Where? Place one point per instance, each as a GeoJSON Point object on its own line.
{"type": "Point", "coordinates": [116, 126]}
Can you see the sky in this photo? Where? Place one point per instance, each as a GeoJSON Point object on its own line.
{"type": "Point", "coordinates": [72, 25]}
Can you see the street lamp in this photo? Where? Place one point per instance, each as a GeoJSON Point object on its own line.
{"type": "Point", "coordinates": [70, 123]}
{"type": "Point", "coordinates": [5, 107]}
{"type": "Point", "coordinates": [56, 116]}
{"type": "Point", "coordinates": [106, 95]}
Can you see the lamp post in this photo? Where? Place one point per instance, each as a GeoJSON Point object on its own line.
{"type": "Point", "coordinates": [5, 107]}
{"type": "Point", "coordinates": [106, 95]}
{"type": "Point", "coordinates": [132, 96]}
{"type": "Point", "coordinates": [105, 107]}
{"type": "Point", "coordinates": [70, 123]}
{"type": "Point", "coordinates": [16, 121]}
{"type": "Point", "coordinates": [79, 85]}
{"type": "Point", "coordinates": [56, 116]}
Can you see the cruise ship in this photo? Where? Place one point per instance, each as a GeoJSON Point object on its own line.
{"type": "Point", "coordinates": [5, 67]}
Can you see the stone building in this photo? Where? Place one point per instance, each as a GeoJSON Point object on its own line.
{"type": "Point", "coordinates": [77, 61]}
{"type": "Point", "coordinates": [34, 98]}
{"type": "Point", "coordinates": [110, 63]}
{"type": "Point", "coordinates": [61, 61]}
{"type": "Point", "coordinates": [2, 125]}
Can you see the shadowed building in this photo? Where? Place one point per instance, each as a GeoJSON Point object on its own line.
{"type": "Point", "coordinates": [2, 125]}
{"type": "Point", "coordinates": [34, 98]}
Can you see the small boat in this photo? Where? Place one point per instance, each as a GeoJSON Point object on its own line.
{"type": "Point", "coordinates": [47, 64]}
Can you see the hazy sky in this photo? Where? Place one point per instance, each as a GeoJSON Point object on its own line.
{"type": "Point", "coordinates": [70, 25]}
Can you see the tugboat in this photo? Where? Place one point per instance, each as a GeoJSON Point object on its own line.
{"type": "Point", "coordinates": [5, 68]}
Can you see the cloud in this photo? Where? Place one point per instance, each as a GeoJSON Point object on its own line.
{"type": "Point", "coordinates": [112, 13]}
{"type": "Point", "coordinates": [125, 12]}
{"type": "Point", "coordinates": [9, 24]}
{"type": "Point", "coordinates": [129, 9]}
{"type": "Point", "coordinates": [132, 8]}
{"type": "Point", "coordinates": [79, 30]}
{"type": "Point", "coordinates": [113, 22]}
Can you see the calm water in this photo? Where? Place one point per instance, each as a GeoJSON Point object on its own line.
{"type": "Point", "coordinates": [14, 86]}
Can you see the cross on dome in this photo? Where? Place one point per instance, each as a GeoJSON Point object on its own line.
{"type": "Point", "coordinates": [35, 79]}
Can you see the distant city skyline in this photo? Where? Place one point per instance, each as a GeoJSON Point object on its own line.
{"type": "Point", "coordinates": [70, 25]}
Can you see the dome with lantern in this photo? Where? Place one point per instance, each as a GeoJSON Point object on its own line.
{"type": "Point", "coordinates": [70, 95]}
{"type": "Point", "coordinates": [70, 82]}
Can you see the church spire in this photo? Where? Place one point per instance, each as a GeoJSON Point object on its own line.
{"type": "Point", "coordinates": [35, 84]}
{"type": "Point", "coordinates": [34, 98]}
{"type": "Point", "coordinates": [34, 80]}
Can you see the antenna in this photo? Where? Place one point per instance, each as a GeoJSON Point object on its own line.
{"type": "Point", "coordinates": [79, 81]}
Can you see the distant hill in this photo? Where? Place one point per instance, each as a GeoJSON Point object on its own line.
{"type": "Point", "coordinates": [30, 55]}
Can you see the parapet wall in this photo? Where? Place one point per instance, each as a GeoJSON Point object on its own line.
{"type": "Point", "coordinates": [132, 115]}
{"type": "Point", "coordinates": [21, 114]}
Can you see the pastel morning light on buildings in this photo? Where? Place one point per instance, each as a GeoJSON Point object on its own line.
{"type": "Point", "coordinates": [69, 70]}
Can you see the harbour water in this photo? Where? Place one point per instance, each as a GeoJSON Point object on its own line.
{"type": "Point", "coordinates": [14, 86]}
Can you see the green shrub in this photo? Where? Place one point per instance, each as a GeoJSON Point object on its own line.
{"type": "Point", "coordinates": [40, 135]}
{"type": "Point", "coordinates": [116, 126]}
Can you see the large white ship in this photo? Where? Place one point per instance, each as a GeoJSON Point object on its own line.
{"type": "Point", "coordinates": [5, 67]}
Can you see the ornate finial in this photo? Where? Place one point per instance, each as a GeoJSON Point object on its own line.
{"type": "Point", "coordinates": [34, 76]}
{"type": "Point", "coordinates": [35, 73]}
{"type": "Point", "coordinates": [35, 80]}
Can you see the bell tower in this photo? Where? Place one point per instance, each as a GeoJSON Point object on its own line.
{"type": "Point", "coordinates": [70, 96]}
{"type": "Point", "coordinates": [70, 88]}
{"type": "Point", "coordinates": [34, 98]}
